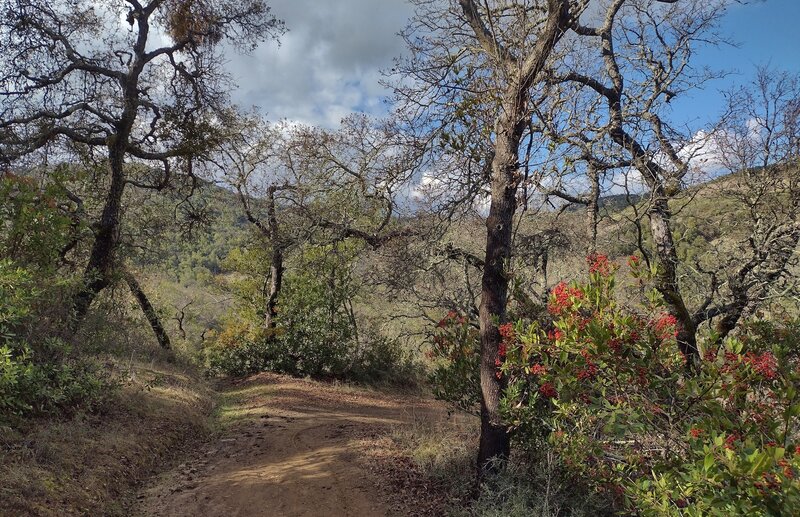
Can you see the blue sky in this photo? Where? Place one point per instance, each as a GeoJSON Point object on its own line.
{"type": "Point", "coordinates": [328, 64]}
{"type": "Point", "coordinates": [766, 32]}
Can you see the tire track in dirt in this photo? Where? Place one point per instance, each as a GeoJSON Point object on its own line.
{"type": "Point", "coordinates": [289, 449]}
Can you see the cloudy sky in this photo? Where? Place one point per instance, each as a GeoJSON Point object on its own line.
{"type": "Point", "coordinates": [328, 64]}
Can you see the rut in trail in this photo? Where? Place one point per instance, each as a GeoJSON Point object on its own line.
{"type": "Point", "coordinates": [289, 450]}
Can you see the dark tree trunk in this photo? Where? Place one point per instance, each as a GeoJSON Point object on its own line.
{"type": "Point", "coordinates": [100, 269]}
{"type": "Point", "coordinates": [494, 444]}
{"type": "Point", "coordinates": [511, 122]}
{"type": "Point", "coordinates": [148, 310]}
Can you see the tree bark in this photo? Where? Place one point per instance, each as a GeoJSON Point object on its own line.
{"type": "Point", "coordinates": [750, 284]}
{"type": "Point", "coordinates": [494, 446]}
{"type": "Point", "coordinates": [592, 209]}
{"type": "Point", "coordinates": [276, 267]}
{"type": "Point", "coordinates": [99, 270]}
{"type": "Point", "coordinates": [510, 124]}
{"type": "Point", "coordinates": [667, 280]}
{"type": "Point", "coordinates": [148, 310]}
{"type": "Point", "coordinates": [276, 270]}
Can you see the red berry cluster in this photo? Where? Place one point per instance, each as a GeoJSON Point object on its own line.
{"type": "Point", "coordinates": [599, 264]}
{"type": "Point", "coordinates": [562, 298]}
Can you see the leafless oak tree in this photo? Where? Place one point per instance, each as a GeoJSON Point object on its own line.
{"type": "Point", "coordinates": [758, 148]}
{"type": "Point", "coordinates": [299, 184]}
{"type": "Point", "coordinates": [631, 63]}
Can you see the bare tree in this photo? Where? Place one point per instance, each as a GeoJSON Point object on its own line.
{"type": "Point", "coordinates": [301, 184]}
{"type": "Point", "coordinates": [125, 81]}
{"type": "Point", "coordinates": [349, 180]}
{"type": "Point", "coordinates": [250, 161]}
{"type": "Point", "coordinates": [757, 147]}
{"type": "Point", "coordinates": [642, 50]}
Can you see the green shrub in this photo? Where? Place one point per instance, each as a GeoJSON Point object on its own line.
{"type": "Point", "coordinates": [317, 334]}
{"type": "Point", "coordinates": [34, 228]}
{"type": "Point", "coordinates": [239, 349]}
{"type": "Point", "coordinates": [44, 379]}
{"type": "Point", "coordinates": [381, 360]}
{"type": "Point", "coordinates": [609, 389]}
{"type": "Point", "coordinates": [606, 388]}
{"type": "Point", "coordinates": [455, 357]}
{"type": "Point", "coordinates": [243, 348]}
{"type": "Point", "coordinates": [16, 373]}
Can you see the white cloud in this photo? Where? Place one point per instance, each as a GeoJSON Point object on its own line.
{"type": "Point", "coordinates": [328, 64]}
{"type": "Point", "coordinates": [704, 157]}
{"type": "Point", "coordinates": [443, 187]}
{"type": "Point", "coordinates": [624, 181]}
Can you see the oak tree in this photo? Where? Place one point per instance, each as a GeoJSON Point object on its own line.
{"type": "Point", "coordinates": [121, 82]}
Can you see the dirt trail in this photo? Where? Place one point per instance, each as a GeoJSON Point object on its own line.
{"type": "Point", "coordinates": [288, 449]}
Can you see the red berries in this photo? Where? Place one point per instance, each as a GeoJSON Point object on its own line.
{"type": "Point", "coordinates": [666, 327]}
{"type": "Point", "coordinates": [502, 350]}
{"type": "Point", "coordinates": [562, 298]}
{"type": "Point", "coordinates": [599, 264]}
{"type": "Point", "coordinates": [506, 331]}
{"type": "Point", "coordinates": [765, 364]}
{"type": "Point", "coordinates": [548, 390]}
{"type": "Point", "coordinates": [538, 369]}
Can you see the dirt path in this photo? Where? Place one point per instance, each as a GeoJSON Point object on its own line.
{"type": "Point", "coordinates": [288, 449]}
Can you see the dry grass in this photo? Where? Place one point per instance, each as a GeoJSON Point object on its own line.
{"type": "Point", "coordinates": [429, 463]}
{"type": "Point", "coordinates": [89, 464]}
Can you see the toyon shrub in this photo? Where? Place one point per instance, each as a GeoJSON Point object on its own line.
{"type": "Point", "coordinates": [605, 387]}
{"type": "Point", "coordinates": [455, 356]}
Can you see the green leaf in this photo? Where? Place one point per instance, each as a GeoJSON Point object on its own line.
{"type": "Point", "coordinates": [708, 462]}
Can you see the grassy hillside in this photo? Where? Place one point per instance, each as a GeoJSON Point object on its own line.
{"type": "Point", "coordinates": [189, 278]}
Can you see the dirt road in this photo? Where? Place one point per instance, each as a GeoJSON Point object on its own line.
{"type": "Point", "coordinates": [288, 448]}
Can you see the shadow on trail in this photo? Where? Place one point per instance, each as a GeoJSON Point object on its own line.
{"type": "Point", "coordinates": [290, 448]}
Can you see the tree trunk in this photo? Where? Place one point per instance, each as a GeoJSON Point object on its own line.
{"type": "Point", "coordinates": [494, 444]}
{"type": "Point", "coordinates": [148, 310]}
{"type": "Point", "coordinates": [99, 270]}
{"type": "Point", "coordinates": [730, 319]}
{"type": "Point", "coordinates": [592, 209]}
{"type": "Point", "coordinates": [510, 123]}
{"type": "Point", "coordinates": [276, 268]}
{"type": "Point", "coordinates": [762, 274]}
{"type": "Point", "coordinates": [276, 280]}
{"type": "Point", "coordinates": [667, 281]}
